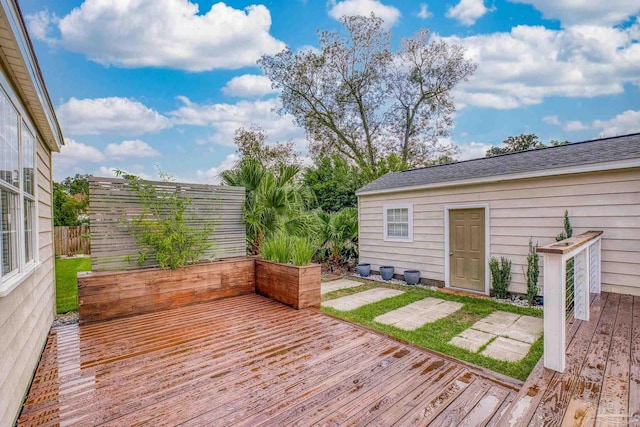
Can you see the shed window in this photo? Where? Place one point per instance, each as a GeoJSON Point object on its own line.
{"type": "Point", "coordinates": [398, 222]}
{"type": "Point", "coordinates": [17, 194]}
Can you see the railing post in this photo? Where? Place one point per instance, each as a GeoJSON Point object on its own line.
{"type": "Point", "coordinates": [581, 285]}
{"type": "Point", "coordinates": [554, 312]}
{"type": "Point", "coordinates": [595, 270]}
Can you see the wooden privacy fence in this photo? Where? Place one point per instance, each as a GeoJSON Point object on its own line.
{"type": "Point", "coordinates": [72, 240]}
{"type": "Point", "coordinates": [112, 204]}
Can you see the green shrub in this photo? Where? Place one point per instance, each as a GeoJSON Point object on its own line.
{"type": "Point", "coordinates": [500, 276]}
{"type": "Point", "coordinates": [303, 251]}
{"type": "Point", "coordinates": [277, 248]}
{"type": "Point", "coordinates": [162, 229]}
{"type": "Point", "coordinates": [533, 272]}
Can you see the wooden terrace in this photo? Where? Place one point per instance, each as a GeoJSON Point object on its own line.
{"type": "Point", "coordinates": [248, 360]}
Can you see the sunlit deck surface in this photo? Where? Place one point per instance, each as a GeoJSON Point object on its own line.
{"type": "Point", "coordinates": [250, 361]}
{"type": "Point", "coordinates": [601, 383]}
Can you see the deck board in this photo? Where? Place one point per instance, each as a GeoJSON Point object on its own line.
{"type": "Point", "coordinates": [601, 383]}
{"type": "Point", "coordinates": [247, 361]}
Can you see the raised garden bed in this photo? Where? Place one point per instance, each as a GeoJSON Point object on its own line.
{"type": "Point", "coordinates": [296, 286]}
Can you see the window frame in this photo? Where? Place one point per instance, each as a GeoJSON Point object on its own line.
{"type": "Point", "coordinates": [25, 268]}
{"type": "Point", "coordinates": [385, 227]}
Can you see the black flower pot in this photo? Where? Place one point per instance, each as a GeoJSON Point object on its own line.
{"type": "Point", "coordinates": [386, 271]}
{"type": "Point", "coordinates": [412, 277]}
{"type": "Point", "coordinates": [364, 270]}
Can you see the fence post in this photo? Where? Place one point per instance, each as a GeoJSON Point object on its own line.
{"type": "Point", "coordinates": [555, 294]}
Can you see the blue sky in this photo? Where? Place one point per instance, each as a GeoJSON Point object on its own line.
{"type": "Point", "coordinates": [140, 83]}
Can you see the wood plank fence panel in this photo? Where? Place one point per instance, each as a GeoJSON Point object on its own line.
{"type": "Point", "coordinates": [72, 240]}
{"type": "Point", "coordinates": [112, 205]}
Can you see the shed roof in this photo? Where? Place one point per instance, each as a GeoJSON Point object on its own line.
{"type": "Point", "coordinates": [599, 153]}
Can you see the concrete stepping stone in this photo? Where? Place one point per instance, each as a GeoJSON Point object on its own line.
{"type": "Point", "coordinates": [526, 329]}
{"type": "Point", "coordinates": [419, 313]}
{"type": "Point", "coordinates": [506, 349]}
{"type": "Point", "coordinates": [471, 340]}
{"type": "Point", "coordinates": [336, 285]}
{"type": "Point", "coordinates": [354, 301]}
{"type": "Point", "coordinates": [496, 323]}
{"type": "Point", "coordinates": [513, 335]}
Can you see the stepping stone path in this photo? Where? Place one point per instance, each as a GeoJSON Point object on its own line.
{"type": "Point", "coordinates": [419, 313]}
{"type": "Point", "coordinates": [336, 285]}
{"type": "Point", "coordinates": [511, 333]}
{"type": "Point", "coordinates": [352, 302]}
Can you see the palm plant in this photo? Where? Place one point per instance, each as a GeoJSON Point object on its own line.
{"type": "Point", "coordinates": [275, 201]}
{"type": "Point", "coordinates": [338, 235]}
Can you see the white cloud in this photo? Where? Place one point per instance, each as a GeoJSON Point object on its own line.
{"type": "Point", "coordinates": [226, 118]}
{"type": "Point", "coordinates": [131, 148]}
{"type": "Point", "coordinates": [467, 12]}
{"type": "Point", "coordinates": [248, 85]}
{"type": "Point", "coordinates": [389, 14]}
{"type": "Point", "coordinates": [527, 64]}
{"type": "Point", "coordinates": [624, 123]}
{"type": "Point", "coordinates": [161, 33]}
{"type": "Point", "coordinates": [110, 172]}
{"type": "Point", "coordinates": [74, 157]}
{"type": "Point", "coordinates": [571, 12]}
{"type": "Point", "coordinates": [212, 176]}
{"type": "Point", "coordinates": [552, 120]}
{"type": "Point", "coordinates": [120, 116]}
{"type": "Point", "coordinates": [473, 150]}
{"type": "Point", "coordinates": [574, 126]}
{"type": "Point", "coordinates": [424, 12]}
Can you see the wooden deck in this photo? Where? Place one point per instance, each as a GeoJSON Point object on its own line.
{"type": "Point", "coordinates": [601, 385]}
{"type": "Point", "coordinates": [251, 361]}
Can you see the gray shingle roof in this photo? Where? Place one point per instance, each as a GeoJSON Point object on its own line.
{"type": "Point", "coordinates": [626, 147]}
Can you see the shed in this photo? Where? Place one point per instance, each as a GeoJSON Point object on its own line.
{"type": "Point", "coordinates": [29, 133]}
{"type": "Point", "coordinates": [447, 221]}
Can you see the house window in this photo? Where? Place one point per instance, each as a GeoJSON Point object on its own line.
{"type": "Point", "coordinates": [17, 193]}
{"type": "Point", "coordinates": [398, 222]}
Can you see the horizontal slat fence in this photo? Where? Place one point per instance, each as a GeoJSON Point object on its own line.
{"type": "Point", "coordinates": [72, 240]}
{"type": "Point", "coordinates": [112, 205]}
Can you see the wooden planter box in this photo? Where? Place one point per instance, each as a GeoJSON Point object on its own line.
{"type": "Point", "coordinates": [298, 287]}
{"type": "Point", "coordinates": [108, 295]}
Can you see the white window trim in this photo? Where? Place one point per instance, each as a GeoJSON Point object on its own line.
{"type": "Point", "coordinates": [25, 269]}
{"type": "Point", "coordinates": [487, 244]}
{"type": "Point", "coordinates": [385, 236]}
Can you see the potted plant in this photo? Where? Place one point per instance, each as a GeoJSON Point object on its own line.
{"type": "Point", "coordinates": [412, 277]}
{"type": "Point", "coordinates": [386, 271]}
{"type": "Point", "coordinates": [364, 270]}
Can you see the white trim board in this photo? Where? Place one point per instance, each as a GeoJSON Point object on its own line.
{"type": "Point", "coordinates": [597, 167]}
{"type": "Point", "coordinates": [487, 244]}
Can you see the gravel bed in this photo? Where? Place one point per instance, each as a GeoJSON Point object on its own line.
{"type": "Point", "coordinates": [514, 300]}
{"type": "Point", "coordinates": [66, 319]}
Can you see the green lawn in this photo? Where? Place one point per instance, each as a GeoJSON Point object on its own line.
{"type": "Point", "coordinates": [67, 282]}
{"type": "Point", "coordinates": [436, 335]}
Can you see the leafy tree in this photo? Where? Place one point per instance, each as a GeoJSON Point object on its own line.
{"type": "Point", "coordinates": [334, 183]}
{"type": "Point", "coordinates": [357, 98]}
{"type": "Point", "coordinates": [274, 201]}
{"type": "Point", "coordinates": [522, 142]}
{"type": "Point", "coordinates": [517, 143]}
{"type": "Point", "coordinates": [79, 184]}
{"type": "Point", "coordinates": [71, 201]}
{"type": "Point", "coordinates": [252, 144]}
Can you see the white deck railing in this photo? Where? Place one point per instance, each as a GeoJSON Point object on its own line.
{"type": "Point", "coordinates": [585, 250]}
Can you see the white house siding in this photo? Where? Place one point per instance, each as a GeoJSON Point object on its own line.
{"type": "Point", "coordinates": [27, 312]}
{"type": "Point", "coordinates": [518, 209]}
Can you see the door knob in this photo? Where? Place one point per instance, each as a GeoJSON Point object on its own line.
{"type": "Point", "coordinates": [450, 253]}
